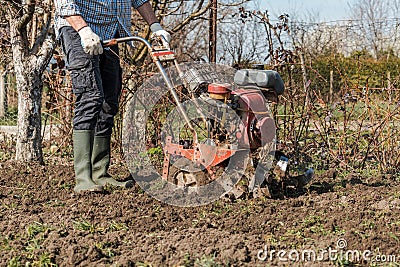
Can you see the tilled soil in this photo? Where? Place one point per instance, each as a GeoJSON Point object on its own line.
{"type": "Point", "coordinates": [43, 223]}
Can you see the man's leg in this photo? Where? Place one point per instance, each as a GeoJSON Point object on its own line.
{"type": "Point", "coordinates": [111, 74]}
{"type": "Point", "coordinates": [86, 85]}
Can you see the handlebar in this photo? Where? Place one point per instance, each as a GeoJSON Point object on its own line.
{"type": "Point", "coordinates": [159, 44]}
{"type": "Point", "coordinates": [159, 54]}
{"type": "Point", "coordinates": [115, 41]}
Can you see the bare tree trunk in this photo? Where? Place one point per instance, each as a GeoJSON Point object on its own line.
{"type": "Point", "coordinates": [29, 86]}
{"type": "Point", "coordinates": [29, 142]}
{"type": "Point", "coordinates": [29, 65]}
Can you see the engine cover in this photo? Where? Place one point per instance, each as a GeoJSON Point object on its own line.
{"type": "Point", "coordinates": [259, 127]}
{"type": "Point", "coordinates": [267, 79]}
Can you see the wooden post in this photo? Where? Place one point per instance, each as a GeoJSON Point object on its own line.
{"type": "Point", "coordinates": [213, 32]}
{"type": "Point", "coordinates": [331, 88]}
{"type": "Point", "coordinates": [389, 86]}
{"type": "Point", "coordinates": [3, 94]}
{"type": "Point", "coordinates": [305, 80]}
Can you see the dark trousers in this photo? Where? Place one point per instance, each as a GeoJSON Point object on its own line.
{"type": "Point", "coordinates": [96, 83]}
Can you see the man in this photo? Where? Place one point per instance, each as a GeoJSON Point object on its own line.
{"type": "Point", "coordinates": [96, 78]}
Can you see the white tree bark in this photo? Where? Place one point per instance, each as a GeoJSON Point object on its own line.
{"type": "Point", "coordinates": [29, 65]}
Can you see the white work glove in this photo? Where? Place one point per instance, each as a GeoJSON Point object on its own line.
{"type": "Point", "coordinates": [90, 41]}
{"type": "Point", "coordinates": [157, 30]}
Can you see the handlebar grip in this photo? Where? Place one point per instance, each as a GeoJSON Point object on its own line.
{"type": "Point", "coordinates": [108, 43]}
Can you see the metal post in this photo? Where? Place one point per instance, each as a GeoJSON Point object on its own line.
{"type": "Point", "coordinates": [213, 32]}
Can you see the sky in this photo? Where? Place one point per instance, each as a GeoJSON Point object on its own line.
{"type": "Point", "coordinates": [303, 10]}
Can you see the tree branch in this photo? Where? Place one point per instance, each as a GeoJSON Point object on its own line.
{"type": "Point", "coordinates": [14, 4]}
{"type": "Point", "coordinates": [46, 51]}
{"type": "Point", "coordinates": [42, 36]}
{"type": "Point", "coordinates": [234, 4]}
{"type": "Point", "coordinates": [198, 12]}
{"type": "Point", "coordinates": [28, 10]}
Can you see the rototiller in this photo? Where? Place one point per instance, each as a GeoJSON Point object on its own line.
{"type": "Point", "coordinates": [213, 134]}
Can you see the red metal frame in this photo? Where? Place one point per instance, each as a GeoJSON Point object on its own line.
{"type": "Point", "coordinates": [198, 154]}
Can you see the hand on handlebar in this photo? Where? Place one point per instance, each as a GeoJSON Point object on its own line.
{"type": "Point", "coordinates": [158, 31]}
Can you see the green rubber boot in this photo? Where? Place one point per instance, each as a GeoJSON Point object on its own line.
{"type": "Point", "coordinates": [101, 163]}
{"type": "Point", "coordinates": [83, 142]}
